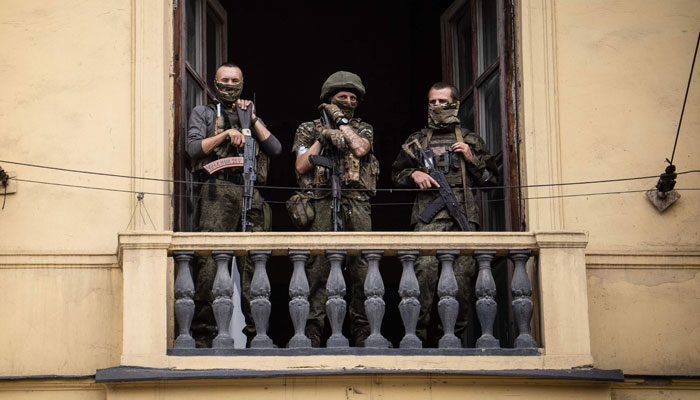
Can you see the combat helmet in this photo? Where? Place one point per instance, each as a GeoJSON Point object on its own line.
{"type": "Point", "coordinates": [342, 80]}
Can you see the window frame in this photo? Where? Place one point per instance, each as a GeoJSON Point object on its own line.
{"type": "Point", "coordinates": [184, 71]}
{"type": "Point", "coordinates": [505, 67]}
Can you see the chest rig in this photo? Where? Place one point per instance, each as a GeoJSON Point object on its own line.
{"type": "Point", "coordinates": [227, 120]}
{"type": "Point", "coordinates": [357, 173]}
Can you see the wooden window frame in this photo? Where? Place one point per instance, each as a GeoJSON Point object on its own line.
{"type": "Point", "coordinates": [183, 70]}
{"type": "Point", "coordinates": [505, 66]}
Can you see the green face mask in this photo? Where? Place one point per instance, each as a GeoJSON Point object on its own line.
{"type": "Point", "coordinates": [346, 107]}
{"type": "Point", "coordinates": [443, 115]}
{"type": "Point", "coordinates": [228, 93]}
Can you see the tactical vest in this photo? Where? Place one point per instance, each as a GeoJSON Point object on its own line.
{"type": "Point", "coordinates": [358, 173]}
{"type": "Point", "coordinates": [225, 149]}
{"type": "Point", "coordinates": [444, 158]}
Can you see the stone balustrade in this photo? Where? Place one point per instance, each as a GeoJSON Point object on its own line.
{"type": "Point", "coordinates": [560, 297]}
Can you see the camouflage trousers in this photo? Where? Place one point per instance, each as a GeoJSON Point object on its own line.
{"type": "Point", "coordinates": [427, 274]}
{"type": "Point", "coordinates": [220, 211]}
{"type": "Point", "coordinates": [357, 218]}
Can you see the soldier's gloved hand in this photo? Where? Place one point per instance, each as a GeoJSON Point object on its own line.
{"type": "Point", "coordinates": [334, 137]}
{"type": "Point", "coordinates": [333, 111]}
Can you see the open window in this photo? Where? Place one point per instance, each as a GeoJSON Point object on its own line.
{"type": "Point", "coordinates": [201, 33]}
{"type": "Point", "coordinates": [399, 49]}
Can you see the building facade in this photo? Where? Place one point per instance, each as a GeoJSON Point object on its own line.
{"type": "Point", "coordinates": [586, 91]}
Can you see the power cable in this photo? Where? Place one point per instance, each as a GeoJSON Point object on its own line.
{"type": "Point", "coordinates": [685, 99]}
{"type": "Point", "coordinates": [282, 202]}
{"type": "Point", "coordinates": [326, 189]}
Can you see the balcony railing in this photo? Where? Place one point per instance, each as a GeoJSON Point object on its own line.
{"type": "Point", "coordinates": [561, 293]}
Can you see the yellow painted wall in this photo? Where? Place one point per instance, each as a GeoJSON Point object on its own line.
{"type": "Point", "coordinates": [52, 389]}
{"type": "Point", "coordinates": [61, 317]}
{"type": "Point", "coordinates": [66, 73]}
{"type": "Point", "coordinates": [361, 387]}
{"type": "Point", "coordinates": [622, 68]}
{"type": "Point", "coordinates": [86, 86]}
{"type": "Point", "coordinates": [621, 72]}
{"type": "Point", "coordinates": [645, 319]}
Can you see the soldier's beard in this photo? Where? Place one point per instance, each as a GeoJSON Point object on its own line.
{"type": "Point", "coordinates": [228, 93]}
{"type": "Point", "coordinates": [346, 107]}
{"type": "Point", "coordinates": [441, 116]}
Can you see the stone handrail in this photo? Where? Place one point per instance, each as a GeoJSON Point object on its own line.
{"type": "Point", "coordinates": [561, 293]}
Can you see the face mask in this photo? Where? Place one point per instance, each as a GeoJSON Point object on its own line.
{"type": "Point", "coordinates": [441, 116]}
{"type": "Point", "coordinates": [228, 93]}
{"type": "Point", "coordinates": [346, 107]}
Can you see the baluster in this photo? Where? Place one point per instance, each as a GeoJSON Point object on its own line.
{"type": "Point", "coordinates": [410, 305]}
{"type": "Point", "coordinates": [374, 305]}
{"type": "Point", "coordinates": [335, 305]}
{"type": "Point", "coordinates": [184, 304]}
{"type": "Point", "coordinates": [299, 303]}
{"type": "Point", "coordinates": [522, 300]}
{"type": "Point", "coordinates": [448, 306]}
{"type": "Point", "coordinates": [223, 304]}
{"type": "Point", "coordinates": [260, 305]}
{"type": "Point", "coordinates": [486, 303]}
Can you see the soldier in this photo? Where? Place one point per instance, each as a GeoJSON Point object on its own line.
{"type": "Point", "coordinates": [352, 140]}
{"type": "Point", "coordinates": [459, 154]}
{"type": "Point", "coordinates": [220, 201]}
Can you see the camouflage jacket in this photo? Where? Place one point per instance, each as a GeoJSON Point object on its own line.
{"type": "Point", "coordinates": [201, 126]}
{"type": "Point", "coordinates": [308, 132]}
{"type": "Point", "coordinates": [481, 171]}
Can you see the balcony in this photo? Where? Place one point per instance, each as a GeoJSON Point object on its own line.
{"type": "Point", "coordinates": [158, 291]}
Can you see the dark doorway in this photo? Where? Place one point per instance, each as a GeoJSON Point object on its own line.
{"type": "Point", "coordinates": [286, 53]}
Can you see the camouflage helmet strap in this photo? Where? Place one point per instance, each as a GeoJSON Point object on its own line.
{"type": "Point", "coordinates": [463, 164]}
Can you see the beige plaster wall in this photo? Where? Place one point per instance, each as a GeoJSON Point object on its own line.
{"type": "Point", "coordinates": [52, 389]}
{"type": "Point", "coordinates": [61, 317]}
{"type": "Point", "coordinates": [74, 98]}
{"type": "Point", "coordinates": [409, 387]}
{"type": "Point", "coordinates": [622, 69]}
{"type": "Point", "coordinates": [645, 318]}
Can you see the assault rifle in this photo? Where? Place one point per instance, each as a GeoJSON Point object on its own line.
{"type": "Point", "coordinates": [447, 197]}
{"type": "Point", "coordinates": [244, 117]}
{"type": "Point", "coordinates": [332, 164]}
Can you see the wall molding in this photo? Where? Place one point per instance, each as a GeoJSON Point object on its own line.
{"type": "Point", "coordinates": [643, 260]}
{"type": "Point", "coordinates": [58, 261]}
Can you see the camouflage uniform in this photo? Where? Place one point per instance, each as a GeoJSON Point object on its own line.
{"type": "Point", "coordinates": [481, 171]}
{"type": "Point", "coordinates": [220, 205]}
{"type": "Point", "coordinates": [357, 214]}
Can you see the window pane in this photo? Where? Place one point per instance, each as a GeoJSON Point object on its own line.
{"type": "Point", "coordinates": [214, 45]}
{"type": "Point", "coordinates": [193, 24]}
{"type": "Point", "coordinates": [490, 127]}
{"type": "Point", "coordinates": [193, 96]}
{"type": "Point", "coordinates": [464, 50]}
{"type": "Point", "coordinates": [488, 33]}
{"type": "Point", "coordinates": [466, 113]}
{"type": "Point", "coordinates": [490, 113]}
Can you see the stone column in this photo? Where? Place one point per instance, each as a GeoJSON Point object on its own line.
{"type": "Point", "coordinates": [522, 299]}
{"type": "Point", "coordinates": [260, 305]}
{"type": "Point", "coordinates": [335, 305]}
{"type": "Point", "coordinates": [223, 303]}
{"type": "Point", "coordinates": [410, 305]}
{"type": "Point", "coordinates": [374, 305]}
{"type": "Point", "coordinates": [486, 303]}
{"type": "Point", "coordinates": [448, 306]}
{"type": "Point", "coordinates": [299, 303]}
{"type": "Point", "coordinates": [184, 303]}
